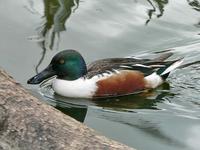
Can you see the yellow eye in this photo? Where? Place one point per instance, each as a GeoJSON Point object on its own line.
{"type": "Point", "coordinates": [62, 61]}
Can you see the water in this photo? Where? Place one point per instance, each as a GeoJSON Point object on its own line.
{"type": "Point", "coordinates": [32, 32]}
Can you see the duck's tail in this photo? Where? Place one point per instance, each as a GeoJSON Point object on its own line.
{"type": "Point", "coordinates": [169, 66]}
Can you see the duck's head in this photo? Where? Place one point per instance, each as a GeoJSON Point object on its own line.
{"type": "Point", "coordinates": [67, 65]}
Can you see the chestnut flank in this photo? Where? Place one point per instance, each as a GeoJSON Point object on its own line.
{"type": "Point", "coordinates": [125, 82]}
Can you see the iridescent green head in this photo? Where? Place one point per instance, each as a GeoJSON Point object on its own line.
{"type": "Point", "coordinates": [67, 65]}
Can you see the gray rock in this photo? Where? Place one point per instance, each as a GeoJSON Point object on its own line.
{"type": "Point", "coordinates": [26, 123]}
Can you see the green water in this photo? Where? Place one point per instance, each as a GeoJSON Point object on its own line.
{"type": "Point", "coordinates": [168, 118]}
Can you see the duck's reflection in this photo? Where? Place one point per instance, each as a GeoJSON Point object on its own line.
{"type": "Point", "coordinates": [76, 113]}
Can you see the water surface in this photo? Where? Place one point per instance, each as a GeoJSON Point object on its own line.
{"type": "Point", "coordinates": [32, 32]}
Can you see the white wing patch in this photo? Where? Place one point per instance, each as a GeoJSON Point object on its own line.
{"type": "Point", "coordinates": [140, 65]}
{"type": "Point", "coordinates": [124, 66]}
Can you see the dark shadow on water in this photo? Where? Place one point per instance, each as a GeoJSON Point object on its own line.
{"type": "Point", "coordinates": [76, 113]}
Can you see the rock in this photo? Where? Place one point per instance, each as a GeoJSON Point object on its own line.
{"type": "Point", "coordinates": [27, 123]}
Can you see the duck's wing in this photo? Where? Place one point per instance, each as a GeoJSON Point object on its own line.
{"type": "Point", "coordinates": [110, 65]}
{"type": "Point", "coordinates": [113, 65]}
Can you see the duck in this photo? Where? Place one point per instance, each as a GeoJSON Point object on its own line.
{"type": "Point", "coordinates": [109, 77]}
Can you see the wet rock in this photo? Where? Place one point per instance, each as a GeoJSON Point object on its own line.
{"type": "Point", "coordinates": [27, 123]}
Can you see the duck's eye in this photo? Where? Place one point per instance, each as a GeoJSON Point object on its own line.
{"type": "Point", "coordinates": [62, 61]}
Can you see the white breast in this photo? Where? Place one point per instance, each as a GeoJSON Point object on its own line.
{"type": "Point", "coordinates": [80, 88]}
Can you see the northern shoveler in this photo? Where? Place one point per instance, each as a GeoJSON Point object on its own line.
{"type": "Point", "coordinates": [105, 77]}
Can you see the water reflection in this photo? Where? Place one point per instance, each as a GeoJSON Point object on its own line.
{"type": "Point", "coordinates": [156, 4]}
{"type": "Point", "coordinates": [76, 113]}
{"type": "Point", "coordinates": [56, 14]}
{"type": "Point", "coordinates": [195, 4]}
{"type": "Point", "coordinates": [147, 125]}
{"type": "Point", "coordinates": [159, 5]}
